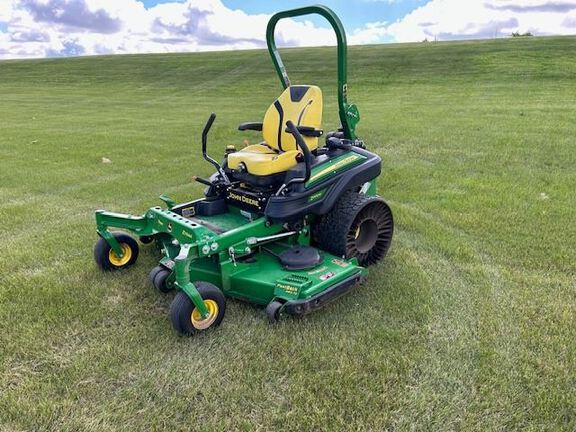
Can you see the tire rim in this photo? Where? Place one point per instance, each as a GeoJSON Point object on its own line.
{"type": "Point", "coordinates": [117, 261]}
{"type": "Point", "coordinates": [366, 235]}
{"type": "Point", "coordinates": [196, 316]}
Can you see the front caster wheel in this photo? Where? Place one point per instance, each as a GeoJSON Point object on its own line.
{"type": "Point", "coordinates": [186, 318]}
{"type": "Point", "coordinates": [159, 279]}
{"type": "Point", "coordinates": [273, 311]}
{"type": "Point", "coordinates": [107, 259]}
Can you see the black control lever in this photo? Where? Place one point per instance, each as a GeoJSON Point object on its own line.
{"type": "Point", "coordinates": [339, 143]}
{"type": "Point", "coordinates": [307, 156]}
{"type": "Point", "coordinates": [204, 145]}
{"type": "Point", "coordinates": [202, 181]}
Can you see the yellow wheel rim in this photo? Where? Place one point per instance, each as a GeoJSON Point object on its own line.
{"type": "Point", "coordinates": [115, 260]}
{"type": "Point", "coordinates": [357, 233]}
{"type": "Point", "coordinates": [196, 317]}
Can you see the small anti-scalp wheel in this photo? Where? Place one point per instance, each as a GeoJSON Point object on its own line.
{"type": "Point", "coordinates": [107, 259]}
{"type": "Point", "coordinates": [358, 226]}
{"type": "Point", "coordinates": [185, 317]}
{"type": "Point", "coordinates": [146, 239]}
{"type": "Point", "coordinates": [273, 311]}
{"type": "Point", "coordinates": [159, 279]}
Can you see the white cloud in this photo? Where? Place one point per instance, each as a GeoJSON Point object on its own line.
{"type": "Point", "coordinates": [40, 28]}
{"type": "Point", "coordinates": [371, 33]}
{"type": "Point", "coordinates": [458, 19]}
{"type": "Point", "coordinates": [6, 7]}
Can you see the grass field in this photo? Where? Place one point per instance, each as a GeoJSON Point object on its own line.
{"type": "Point", "coordinates": [468, 325]}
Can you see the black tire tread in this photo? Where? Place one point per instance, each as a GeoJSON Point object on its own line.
{"type": "Point", "coordinates": [330, 232]}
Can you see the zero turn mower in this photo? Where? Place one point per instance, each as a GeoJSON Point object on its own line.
{"type": "Point", "coordinates": [290, 223]}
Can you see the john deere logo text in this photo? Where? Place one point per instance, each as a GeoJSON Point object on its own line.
{"type": "Point", "coordinates": [243, 198]}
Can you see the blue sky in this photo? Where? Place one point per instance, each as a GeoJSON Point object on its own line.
{"type": "Point", "coordinates": [51, 28]}
{"type": "Point", "coordinates": [357, 13]}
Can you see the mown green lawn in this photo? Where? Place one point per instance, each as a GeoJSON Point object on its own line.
{"type": "Point", "coordinates": [468, 325]}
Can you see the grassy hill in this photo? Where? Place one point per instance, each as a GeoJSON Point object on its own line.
{"type": "Point", "coordinates": [469, 323]}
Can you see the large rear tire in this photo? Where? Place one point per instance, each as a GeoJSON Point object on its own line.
{"type": "Point", "coordinates": [358, 226]}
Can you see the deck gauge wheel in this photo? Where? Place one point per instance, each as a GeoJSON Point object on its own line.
{"type": "Point", "coordinates": [108, 260]}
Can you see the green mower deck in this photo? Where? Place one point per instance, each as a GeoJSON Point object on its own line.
{"type": "Point", "coordinates": [239, 262]}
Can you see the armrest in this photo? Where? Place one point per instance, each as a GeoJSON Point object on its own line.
{"type": "Point", "coordinates": [250, 126]}
{"type": "Point", "coordinates": [309, 131]}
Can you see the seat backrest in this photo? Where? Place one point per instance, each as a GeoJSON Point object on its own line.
{"type": "Point", "coordinates": [300, 103]}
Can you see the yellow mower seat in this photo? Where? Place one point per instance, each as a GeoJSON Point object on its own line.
{"type": "Point", "coordinates": [261, 160]}
{"type": "Point", "coordinates": [300, 103]}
